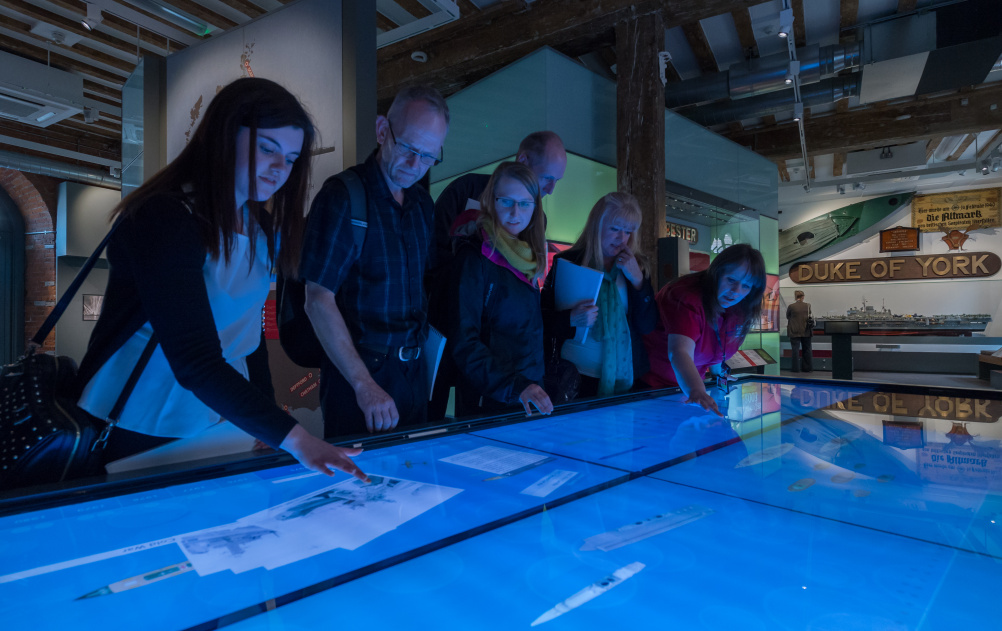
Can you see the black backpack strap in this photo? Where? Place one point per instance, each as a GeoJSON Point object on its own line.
{"type": "Point", "coordinates": [359, 210]}
{"type": "Point", "coordinates": [71, 291]}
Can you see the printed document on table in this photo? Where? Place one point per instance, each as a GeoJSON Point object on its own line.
{"type": "Point", "coordinates": [496, 460]}
{"type": "Point", "coordinates": [345, 515]}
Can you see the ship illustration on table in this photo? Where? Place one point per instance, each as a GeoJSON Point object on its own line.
{"type": "Point", "coordinates": [884, 322]}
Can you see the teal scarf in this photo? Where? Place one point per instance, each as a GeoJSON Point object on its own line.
{"type": "Point", "coordinates": [613, 331]}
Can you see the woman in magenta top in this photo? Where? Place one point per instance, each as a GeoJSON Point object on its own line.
{"type": "Point", "coordinates": [704, 319]}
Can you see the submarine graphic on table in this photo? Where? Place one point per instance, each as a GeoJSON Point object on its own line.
{"type": "Point", "coordinates": [638, 531]}
{"type": "Point", "coordinates": [591, 592]}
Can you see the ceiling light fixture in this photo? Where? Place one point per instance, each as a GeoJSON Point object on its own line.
{"type": "Point", "coordinates": [785, 23]}
{"type": "Point", "coordinates": [793, 71]}
{"type": "Point", "coordinates": [798, 112]}
{"type": "Point", "coordinates": [93, 18]}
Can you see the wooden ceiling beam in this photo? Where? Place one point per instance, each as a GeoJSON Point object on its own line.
{"type": "Point", "coordinates": [784, 173]}
{"type": "Point", "coordinates": [154, 42]}
{"type": "Point", "coordinates": [799, 30]}
{"type": "Point", "coordinates": [103, 129]}
{"type": "Point", "coordinates": [902, 123]}
{"type": "Point", "coordinates": [467, 8]}
{"type": "Point", "coordinates": [33, 12]}
{"type": "Point", "coordinates": [95, 90]}
{"type": "Point", "coordinates": [931, 146]}
{"type": "Point", "coordinates": [700, 47]}
{"type": "Point", "coordinates": [64, 137]}
{"type": "Point", "coordinates": [746, 35]}
{"type": "Point", "coordinates": [839, 165]}
{"type": "Point", "coordinates": [249, 9]}
{"type": "Point", "coordinates": [414, 7]}
{"type": "Point", "coordinates": [210, 17]}
{"type": "Point", "coordinates": [53, 156]}
{"type": "Point", "coordinates": [962, 147]}
{"type": "Point", "coordinates": [384, 22]}
{"type": "Point", "coordinates": [157, 42]}
{"type": "Point", "coordinates": [848, 14]}
{"type": "Point", "coordinates": [474, 46]}
{"type": "Point", "coordinates": [64, 63]}
{"type": "Point", "coordinates": [89, 53]}
{"type": "Point", "coordinates": [810, 167]}
{"type": "Point", "coordinates": [990, 145]}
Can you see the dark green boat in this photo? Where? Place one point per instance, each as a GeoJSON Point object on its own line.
{"type": "Point", "coordinates": [814, 234]}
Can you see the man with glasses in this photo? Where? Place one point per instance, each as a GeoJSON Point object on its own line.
{"type": "Point", "coordinates": [368, 308]}
{"type": "Point", "coordinates": [456, 212]}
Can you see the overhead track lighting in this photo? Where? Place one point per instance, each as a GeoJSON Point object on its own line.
{"type": "Point", "coordinates": [785, 23]}
{"type": "Point", "coordinates": [93, 18]}
{"type": "Point", "coordinates": [798, 112]}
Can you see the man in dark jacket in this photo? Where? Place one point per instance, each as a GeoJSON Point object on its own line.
{"type": "Point", "coordinates": [799, 323]}
{"type": "Point", "coordinates": [369, 311]}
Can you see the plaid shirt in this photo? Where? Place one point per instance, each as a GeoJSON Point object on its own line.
{"type": "Point", "coordinates": [381, 293]}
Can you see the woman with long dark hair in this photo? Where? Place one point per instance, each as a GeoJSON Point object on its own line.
{"type": "Point", "coordinates": [704, 319]}
{"type": "Point", "coordinates": [191, 262]}
{"type": "Point", "coordinates": [496, 333]}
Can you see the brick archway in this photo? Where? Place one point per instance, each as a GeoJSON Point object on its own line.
{"type": "Point", "coordinates": [39, 261]}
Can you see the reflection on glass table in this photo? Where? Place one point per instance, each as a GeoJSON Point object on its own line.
{"type": "Point", "coordinates": [675, 558]}
{"type": "Point", "coordinates": [221, 546]}
{"type": "Point", "coordinates": [924, 466]}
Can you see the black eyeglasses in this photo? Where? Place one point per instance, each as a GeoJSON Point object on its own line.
{"type": "Point", "coordinates": [507, 202]}
{"type": "Point", "coordinates": [404, 150]}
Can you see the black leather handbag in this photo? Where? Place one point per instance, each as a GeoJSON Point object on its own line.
{"type": "Point", "coordinates": [561, 379]}
{"type": "Point", "coordinates": [44, 436]}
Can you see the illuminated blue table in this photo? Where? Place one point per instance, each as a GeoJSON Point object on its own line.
{"type": "Point", "coordinates": [812, 505]}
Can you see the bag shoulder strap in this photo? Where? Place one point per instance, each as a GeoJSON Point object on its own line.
{"type": "Point", "coordinates": [71, 291]}
{"type": "Point", "coordinates": [359, 210]}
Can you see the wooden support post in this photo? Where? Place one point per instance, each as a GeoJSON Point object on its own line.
{"type": "Point", "coordinates": [640, 124]}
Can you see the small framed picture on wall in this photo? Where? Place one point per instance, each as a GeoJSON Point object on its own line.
{"type": "Point", "coordinates": [92, 306]}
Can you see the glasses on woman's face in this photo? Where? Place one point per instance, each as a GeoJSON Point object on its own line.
{"type": "Point", "coordinates": [405, 151]}
{"type": "Point", "coordinates": [507, 203]}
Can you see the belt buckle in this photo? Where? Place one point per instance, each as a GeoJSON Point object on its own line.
{"type": "Point", "coordinates": [400, 353]}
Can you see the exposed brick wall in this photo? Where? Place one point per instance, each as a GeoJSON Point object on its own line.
{"type": "Point", "coordinates": [39, 260]}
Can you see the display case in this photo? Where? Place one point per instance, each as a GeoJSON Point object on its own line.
{"type": "Point", "coordinates": [808, 504]}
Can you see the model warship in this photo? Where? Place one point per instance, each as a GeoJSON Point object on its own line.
{"type": "Point", "coordinates": [884, 322]}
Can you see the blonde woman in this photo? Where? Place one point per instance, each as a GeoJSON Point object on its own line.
{"type": "Point", "coordinates": [496, 329]}
{"type": "Point", "coordinates": [612, 356]}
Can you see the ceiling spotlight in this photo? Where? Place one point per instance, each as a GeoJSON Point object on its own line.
{"type": "Point", "coordinates": [840, 188]}
{"type": "Point", "coordinates": [858, 186]}
{"type": "Point", "coordinates": [798, 112]}
{"type": "Point", "coordinates": [785, 23]}
{"type": "Point", "coordinates": [93, 18]}
{"type": "Point", "coordinates": [792, 71]}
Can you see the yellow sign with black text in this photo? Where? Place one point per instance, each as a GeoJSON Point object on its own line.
{"type": "Point", "coordinates": [957, 211]}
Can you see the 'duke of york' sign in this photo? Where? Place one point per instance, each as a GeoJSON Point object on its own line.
{"type": "Point", "coordinates": [966, 265]}
{"type": "Point", "coordinates": [961, 211]}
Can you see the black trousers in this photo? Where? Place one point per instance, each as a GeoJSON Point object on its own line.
{"type": "Point", "coordinates": [801, 347]}
{"type": "Point", "coordinates": [405, 381]}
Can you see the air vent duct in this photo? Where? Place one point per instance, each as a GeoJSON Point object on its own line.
{"type": "Point", "coordinates": [34, 94]}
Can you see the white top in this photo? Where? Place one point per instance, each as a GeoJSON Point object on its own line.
{"type": "Point", "coordinates": [585, 352]}
{"type": "Point", "coordinates": [159, 406]}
